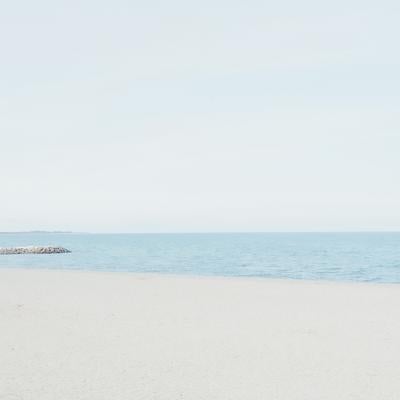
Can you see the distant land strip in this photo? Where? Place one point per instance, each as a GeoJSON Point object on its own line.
{"type": "Point", "coordinates": [24, 232]}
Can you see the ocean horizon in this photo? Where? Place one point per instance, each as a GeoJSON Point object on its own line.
{"type": "Point", "coordinates": [335, 256]}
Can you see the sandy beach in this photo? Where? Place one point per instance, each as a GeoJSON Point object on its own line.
{"type": "Point", "coordinates": [69, 335]}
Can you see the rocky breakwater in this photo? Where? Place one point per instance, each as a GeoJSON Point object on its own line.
{"type": "Point", "coordinates": [34, 250]}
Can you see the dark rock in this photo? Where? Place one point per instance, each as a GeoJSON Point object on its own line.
{"type": "Point", "coordinates": [34, 250]}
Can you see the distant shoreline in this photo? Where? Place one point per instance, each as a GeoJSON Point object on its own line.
{"type": "Point", "coordinates": [25, 232]}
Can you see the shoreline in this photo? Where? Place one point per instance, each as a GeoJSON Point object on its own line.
{"type": "Point", "coordinates": [93, 334]}
{"type": "Point", "coordinates": [168, 275]}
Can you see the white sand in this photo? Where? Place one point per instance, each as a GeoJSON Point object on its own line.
{"type": "Point", "coordinates": [86, 335]}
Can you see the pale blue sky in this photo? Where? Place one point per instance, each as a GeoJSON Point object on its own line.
{"type": "Point", "coordinates": [199, 116]}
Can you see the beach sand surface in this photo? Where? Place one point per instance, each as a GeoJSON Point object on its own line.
{"type": "Point", "coordinates": [73, 335]}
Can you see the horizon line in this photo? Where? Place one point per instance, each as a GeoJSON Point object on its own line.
{"type": "Point", "coordinates": [197, 232]}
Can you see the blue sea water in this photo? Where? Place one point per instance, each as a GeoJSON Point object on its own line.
{"type": "Point", "coordinates": [372, 257]}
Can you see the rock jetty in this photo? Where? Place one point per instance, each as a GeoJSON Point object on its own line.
{"type": "Point", "coordinates": [33, 250]}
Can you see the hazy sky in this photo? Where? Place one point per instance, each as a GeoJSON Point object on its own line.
{"type": "Point", "coordinates": [199, 116]}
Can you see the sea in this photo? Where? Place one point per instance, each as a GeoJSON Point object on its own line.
{"type": "Point", "coordinates": [360, 257]}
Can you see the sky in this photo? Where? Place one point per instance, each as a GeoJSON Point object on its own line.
{"type": "Point", "coordinates": [182, 116]}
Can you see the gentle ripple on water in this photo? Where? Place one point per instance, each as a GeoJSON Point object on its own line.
{"type": "Point", "coordinates": [373, 257]}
